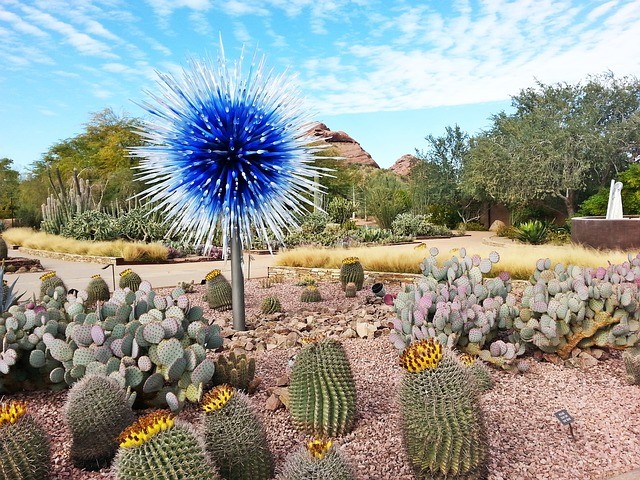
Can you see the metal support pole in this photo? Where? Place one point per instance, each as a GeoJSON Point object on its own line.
{"type": "Point", "coordinates": [237, 282]}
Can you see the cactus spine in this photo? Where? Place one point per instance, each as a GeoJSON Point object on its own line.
{"type": "Point", "coordinates": [351, 271]}
{"type": "Point", "coordinates": [218, 294]}
{"type": "Point", "coordinates": [97, 411]}
{"type": "Point", "coordinates": [234, 436]}
{"type": "Point", "coordinates": [631, 357]}
{"type": "Point", "coordinates": [310, 294]}
{"type": "Point", "coordinates": [271, 305]}
{"type": "Point", "coordinates": [350, 290]}
{"type": "Point", "coordinates": [235, 370]}
{"type": "Point", "coordinates": [322, 390]}
{"type": "Point", "coordinates": [441, 419]}
{"type": "Point", "coordinates": [129, 279]}
{"type": "Point", "coordinates": [49, 283]}
{"type": "Point", "coordinates": [157, 447]}
{"type": "Point", "coordinates": [317, 460]}
{"type": "Point", "coordinates": [25, 452]}
{"type": "Point", "coordinates": [97, 290]}
{"type": "Point", "coordinates": [478, 371]}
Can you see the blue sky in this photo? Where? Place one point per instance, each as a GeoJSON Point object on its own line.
{"type": "Point", "coordinates": [386, 72]}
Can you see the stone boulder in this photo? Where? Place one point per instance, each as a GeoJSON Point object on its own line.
{"type": "Point", "coordinates": [350, 150]}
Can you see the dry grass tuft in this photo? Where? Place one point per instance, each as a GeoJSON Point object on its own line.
{"type": "Point", "coordinates": [130, 251]}
{"type": "Point", "coordinates": [519, 260]}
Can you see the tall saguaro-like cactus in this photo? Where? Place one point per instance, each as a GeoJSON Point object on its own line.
{"type": "Point", "coordinates": [228, 151]}
{"type": "Point", "coordinates": [63, 203]}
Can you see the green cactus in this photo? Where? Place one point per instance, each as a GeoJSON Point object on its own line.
{"type": "Point", "coordinates": [317, 460]}
{"type": "Point", "coordinates": [49, 283]}
{"type": "Point", "coordinates": [234, 436]}
{"type": "Point", "coordinates": [631, 357]}
{"type": "Point", "coordinates": [157, 447]}
{"type": "Point", "coordinates": [235, 370]}
{"type": "Point", "coordinates": [322, 390]}
{"type": "Point", "coordinates": [97, 290]}
{"type": "Point", "coordinates": [271, 305]}
{"type": "Point", "coordinates": [441, 418]}
{"type": "Point", "coordinates": [129, 279]}
{"type": "Point", "coordinates": [351, 271]}
{"type": "Point", "coordinates": [97, 410]}
{"type": "Point", "coordinates": [218, 294]}
{"type": "Point", "coordinates": [479, 373]}
{"type": "Point", "coordinates": [310, 294]}
{"type": "Point", "coordinates": [4, 250]}
{"type": "Point", "coordinates": [25, 452]}
{"type": "Point", "coordinates": [350, 290]}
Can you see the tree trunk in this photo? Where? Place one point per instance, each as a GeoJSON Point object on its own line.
{"type": "Point", "coordinates": [568, 202]}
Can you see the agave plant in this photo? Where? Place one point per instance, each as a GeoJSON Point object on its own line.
{"type": "Point", "coordinates": [532, 231]}
{"type": "Point", "coordinates": [7, 296]}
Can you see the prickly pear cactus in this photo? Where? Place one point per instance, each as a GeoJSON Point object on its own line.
{"type": "Point", "coordinates": [317, 460]}
{"type": "Point", "coordinates": [322, 391]}
{"type": "Point", "coordinates": [271, 305]}
{"type": "Point", "coordinates": [159, 447]}
{"type": "Point", "coordinates": [456, 305]}
{"type": "Point", "coordinates": [218, 294]}
{"type": "Point", "coordinates": [49, 283]}
{"type": "Point", "coordinates": [129, 279]}
{"type": "Point", "coordinates": [97, 290]}
{"type": "Point", "coordinates": [235, 370]}
{"type": "Point", "coordinates": [25, 453]}
{"type": "Point", "coordinates": [234, 436]}
{"type": "Point", "coordinates": [97, 410]}
{"type": "Point", "coordinates": [441, 418]}
{"type": "Point", "coordinates": [351, 271]}
{"type": "Point", "coordinates": [568, 307]}
{"type": "Point", "coordinates": [310, 294]}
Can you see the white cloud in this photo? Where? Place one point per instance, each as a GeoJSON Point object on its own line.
{"type": "Point", "coordinates": [165, 8]}
{"type": "Point", "coordinates": [20, 25]}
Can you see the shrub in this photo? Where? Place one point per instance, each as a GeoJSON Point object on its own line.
{"type": "Point", "coordinates": [315, 222]}
{"type": "Point", "coordinates": [91, 225]}
{"type": "Point", "coordinates": [137, 224]}
{"type": "Point", "coordinates": [472, 227]}
{"type": "Point", "coordinates": [409, 225]}
{"type": "Point", "coordinates": [508, 231]}
{"type": "Point", "coordinates": [340, 209]}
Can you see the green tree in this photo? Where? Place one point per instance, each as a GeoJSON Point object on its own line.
{"type": "Point", "coordinates": [597, 203]}
{"type": "Point", "coordinates": [562, 140]}
{"type": "Point", "coordinates": [386, 197]}
{"type": "Point", "coordinates": [9, 188]}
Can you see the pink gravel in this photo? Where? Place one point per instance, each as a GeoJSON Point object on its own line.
{"type": "Point", "coordinates": [527, 441]}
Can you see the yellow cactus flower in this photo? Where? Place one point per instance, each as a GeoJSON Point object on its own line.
{"type": "Point", "coordinates": [467, 360]}
{"type": "Point", "coordinates": [212, 274]}
{"type": "Point", "coordinates": [421, 355]}
{"type": "Point", "coordinates": [145, 428]}
{"type": "Point", "coordinates": [126, 272]}
{"type": "Point", "coordinates": [48, 275]}
{"type": "Point", "coordinates": [318, 448]}
{"type": "Point", "coordinates": [10, 412]}
{"type": "Point", "coordinates": [350, 260]}
{"type": "Point", "coordinates": [217, 398]}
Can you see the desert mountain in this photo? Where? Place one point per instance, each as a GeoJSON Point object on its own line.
{"type": "Point", "coordinates": [404, 164]}
{"type": "Point", "coordinates": [346, 146]}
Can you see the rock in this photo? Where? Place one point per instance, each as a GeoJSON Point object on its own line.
{"type": "Point", "coordinates": [599, 354]}
{"type": "Point", "coordinates": [404, 165]}
{"type": "Point", "coordinates": [349, 333]}
{"type": "Point", "coordinates": [350, 150]}
{"type": "Point", "coordinates": [496, 225]}
{"type": "Point", "coordinates": [282, 393]}
{"type": "Point", "coordinates": [292, 339]}
{"type": "Point", "coordinates": [365, 330]}
{"type": "Point", "coordinates": [273, 403]}
{"type": "Point", "coordinates": [283, 381]}
{"type": "Point", "coordinates": [586, 360]}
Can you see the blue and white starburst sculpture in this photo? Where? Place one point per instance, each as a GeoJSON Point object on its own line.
{"type": "Point", "coordinates": [229, 151]}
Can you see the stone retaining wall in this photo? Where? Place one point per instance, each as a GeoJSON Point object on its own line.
{"type": "Point", "coordinates": [333, 274]}
{"type": "Point", "coordinates": [72, 257]}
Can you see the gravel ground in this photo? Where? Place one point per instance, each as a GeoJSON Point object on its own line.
{"type": "Point", "coordinates": [527, 441]}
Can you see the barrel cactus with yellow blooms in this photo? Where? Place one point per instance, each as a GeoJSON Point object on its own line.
{"type": "Point", "coordinates": [25, 453]}
{"type": "Point", "coordinates": [129, 279]}
{"type": "Point", "coordinates": [478, 371]}
{"type": "Point", "coordinates": [322, 391]}
{"type": "Point", "coordinates": [442, 426]}
{"type": "Point", "coordinates": [218, 294]}
{"type": "Point", "coordinates": [319, 459]}
{"type": "Point", "coordinates": [49, 283]}
{"type": "Point", "coordinates": [351, 271]}
{"type": "Point", "coordinates": [159, 447]}
{"type": "Point", "coordinates": [234, 436]}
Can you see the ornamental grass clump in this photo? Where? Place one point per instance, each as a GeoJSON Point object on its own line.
{"type": "Point", "coordinates": [234, 436]}
{"type": "Point", "coordinates": [442, 426]}
{"type": "Point", "coordinates": [25, 453]}
{"type": "Point", "coordinates": [319, 459]}
{"type": "Point", "coordinates": [158, 447]}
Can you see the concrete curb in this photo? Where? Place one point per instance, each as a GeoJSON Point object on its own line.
{"type": "Point", "coordinates": [72, 257]}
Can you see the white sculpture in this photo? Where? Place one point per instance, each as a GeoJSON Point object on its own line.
{"type": "Point", "coordinates": [614, 207]}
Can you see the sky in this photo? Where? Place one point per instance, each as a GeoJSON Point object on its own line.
{"type": "Point", "coordinates": [387, 72]}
